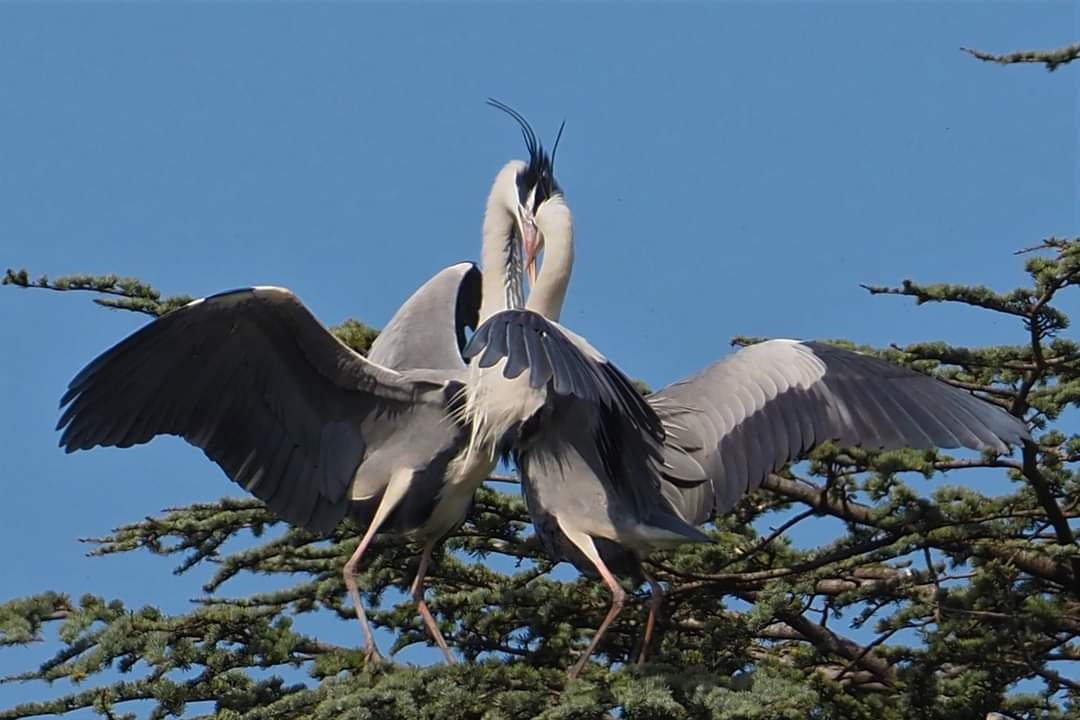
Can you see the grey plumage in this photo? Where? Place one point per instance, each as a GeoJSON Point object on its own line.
{"type": "Point", "coordinates": [304, 423]}
{"type": "Point", "coordinates": [608, 481]}
{"type": "Point", "coordinates": [318, 432]}
{"type": "Point", "coordinates": [428, 331]}
{"type": "Point", "coordinates": [591, 459]}
{"type": "Point", "coordinates": [593, 419]}
{"type": "Point", "coordinates": [605, 508]}
{"type": "Point", "coordinates": [312, 428]}
{"type": "Point", "coordinates": [527, 340]}
{"type": "Point", "coordinates": [253, 379]}
{"type": "Point", "coordinates": [767, 404]}
{"type": "Point", "coordinates": [425, 334]}
{"type": "Point", "coordinates": [724, 429]}
{"type": "Point", "coordinates": [298, 419]}
{"type": "Point", "coordinates": [573, 482]}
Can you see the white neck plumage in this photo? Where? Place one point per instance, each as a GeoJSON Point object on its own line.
{"type": "Point", "coordinates": [500, 254]}
{"type": "Point", "coordinates": [554, 222]}
{"type": "Point", "coordinates": [493, 404]}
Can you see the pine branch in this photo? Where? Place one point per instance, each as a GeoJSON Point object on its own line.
{"type": "Point", "coordinates": [21, 620]}
{"type": "Point", "coordinates": [1017, 303]}
{"type": "Point", "coordinates": [1054, 512]}
{"type": "Point", "coordinates": [962, 594]}
{"type": "Point", "coordinates": [1052, 59]}
{"type": "Point", "coordinates": [131, 294]}
{"type": "Point", "coordinates": [832, 644]}
{"type": "Point", "coordinates": [136, 296]}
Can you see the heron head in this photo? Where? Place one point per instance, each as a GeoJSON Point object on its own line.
{"type": "Point", "coordinates": [535, 184]}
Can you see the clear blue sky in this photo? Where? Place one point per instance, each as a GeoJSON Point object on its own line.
{"type": "Point", "coordinates": [732, 168]}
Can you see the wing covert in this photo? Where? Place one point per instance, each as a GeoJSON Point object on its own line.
{"type": "Point", "coordinates": [255, 381]}
{"type": "Point", "coordinates": [428, 331]}
{"type": "Point", "coordinates": [552, 354]}
{"type": "Point", "coordinates": [765, 405]}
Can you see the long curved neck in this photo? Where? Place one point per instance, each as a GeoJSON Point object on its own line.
{"type": "Point", "coordinates": [557, 226]}
{"type": "Point", "coordinates": [500, 254]}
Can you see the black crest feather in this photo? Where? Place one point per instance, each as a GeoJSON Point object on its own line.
{"type": "Point", "coordinates": [541, 170]}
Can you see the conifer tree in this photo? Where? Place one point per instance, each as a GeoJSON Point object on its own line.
{"type": "Point", "coordinates": [934, 602]}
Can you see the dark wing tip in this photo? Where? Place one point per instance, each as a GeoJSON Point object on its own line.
{"type": "Point", "coordinates": [69, 395]}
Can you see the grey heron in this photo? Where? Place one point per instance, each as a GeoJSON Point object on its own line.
{"type": "Point", "coordinates": [607, 484]}
{"type": "Point", "coordinates": [314, 429]}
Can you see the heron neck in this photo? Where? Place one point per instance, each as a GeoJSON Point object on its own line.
{"type": "Point", "coordinates": [552, 281]}
{"type": "Point", "coordinates": [500, 257]}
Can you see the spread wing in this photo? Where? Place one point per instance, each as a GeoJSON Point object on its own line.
{"type": "Point", "coordinates": [750, 413]}
{"type": "Point", "coordinates": [428, 331]}
{"type": "Point", "coordinates": [252, 378]}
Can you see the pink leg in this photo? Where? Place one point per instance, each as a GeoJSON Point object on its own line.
{"type": "Point", "coordinates": [418, 596]}
{"type": "Point", "coordinates": [655, 601]}
{"type": "Point", "coordinates": [370, 649]}
{"type": "Point", "coordinates": [618, 595]}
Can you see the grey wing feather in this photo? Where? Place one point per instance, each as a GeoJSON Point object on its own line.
{"type": "Point", "coordinates": [428, 331]}
{"type": "Point", "coordinates": [553, 354]}
{"type": "Point", "coordinates": [569, 482]}
{"type": "Point", "coordinates": [601, 412]}
{"type": "Point", "coordinates": [752, 412]}
{"type": "Point", "coordinates": [252, 378]}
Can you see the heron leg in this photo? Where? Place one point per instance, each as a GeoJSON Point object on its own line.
{"type": "Point", "coordinates": [395, 490]}
{"type": "Point", "coordinates": [421, 605]}
{"type": "Point", "coordinates": [371, 650]}
{"type": "Point", "coordinates": [618, 596]}
{"type": "Point", "coordinates": [656, 592]}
